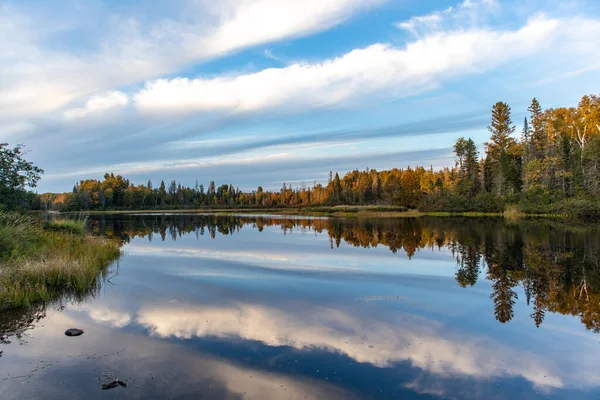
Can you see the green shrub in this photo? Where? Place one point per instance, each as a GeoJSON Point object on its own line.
{"type": "Point", "coordinates": [444, 202]}
{"type": "Point", "coordinates": [487, 202]}
{"type": "Point", "coordinates": [581, 209]}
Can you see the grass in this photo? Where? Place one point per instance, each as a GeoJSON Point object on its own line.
{"type": "Point", "coordinates": [74, 223]}
{"type": "Point", "coordinates": [43, 261]}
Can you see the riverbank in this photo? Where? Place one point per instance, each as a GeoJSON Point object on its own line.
{"type": "Point", "coordinates": [42, 261]}
{"type": "Point", "coordinates": [335, 211]}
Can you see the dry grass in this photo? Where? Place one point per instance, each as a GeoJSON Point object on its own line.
{"type": "Point", "coordinates": [38, 263]}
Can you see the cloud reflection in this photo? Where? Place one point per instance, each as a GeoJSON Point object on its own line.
{"type": "Point", "coordinates": [367, 339]}
{"type": "Point", "coordinates": [169, 371]}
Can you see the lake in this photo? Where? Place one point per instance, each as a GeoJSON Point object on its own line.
{"type": "Point", "coordinates": [279, 307]}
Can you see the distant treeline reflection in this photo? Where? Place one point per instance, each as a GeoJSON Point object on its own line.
{"type": "Point", "coordinates": [557, 265]}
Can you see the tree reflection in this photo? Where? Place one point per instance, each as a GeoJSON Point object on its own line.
{"type": "Point", "coordinates": [557, 266]}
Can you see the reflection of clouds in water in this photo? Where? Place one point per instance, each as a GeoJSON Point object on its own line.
{"type": "Point", "coordinates": [435, 263]}
{"type": "Point", "coordinates": [251, 384]}
{"type": "Point", "coordinates": [106, 315]}
{"type": "Point", "coordinates": [116, 319]}
{"type": "Point", "coordinates": [201, 253]}
{"type": "Point", "coordinates": [263, 259]}
{"type": "Point", "coordinates": [364, 339]}
{"type": "Point", "coordinates": [145, 363]}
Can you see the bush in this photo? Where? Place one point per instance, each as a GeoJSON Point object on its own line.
{"type": "Point", "coordinates": [487, 202]}
{"type": "Point", "coordinates": [583, 209]}
{"type": "Point", "coordinates": [454, 203]}
{"type": "Point", "coordinates": [444, 202]}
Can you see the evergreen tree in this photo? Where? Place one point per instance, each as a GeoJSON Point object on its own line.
{"type": "Point", "coordinates": [501, 129]}
{"type": "Point", "coordinates": [337, 188]}
{"type": "Point", "coordinates": [538, 138]}
{"type": "Point", "coordinates": [162, 193]}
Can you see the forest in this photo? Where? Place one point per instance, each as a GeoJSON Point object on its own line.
{"type": "Point", "coordinates": [551, 167]}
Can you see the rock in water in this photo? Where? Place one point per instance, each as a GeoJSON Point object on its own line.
{"type": "Point", "coordinates": [113, 384]}
{"type": "Point", "coordinates": [1, 352]}
{"type": "Point", "coordinates": [73, 332]}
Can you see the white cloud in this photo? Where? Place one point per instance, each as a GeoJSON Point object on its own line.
{"type": "Point", "coordinates": [166, 165]}
{"type": "Point", "coordinates": [469, 13]}
{"type": "Point", "coordinates": [249, 22]}
{"type": "Point", "coordinates": [37, 78]}
{"type": "Point", "coordinates": [270, 55]}
{"type": "Point", "coordinates": [99, 104]}
{"type": "Point", "coordinates": [422, 64]}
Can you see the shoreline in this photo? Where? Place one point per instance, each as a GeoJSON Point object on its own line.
{"type": "Point", "coordinates": [341, 212]}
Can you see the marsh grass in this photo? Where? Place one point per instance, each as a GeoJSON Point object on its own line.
{"type": "Point", "coordinates": [41, 261]}
{"type": "Point", "coordinates": [73, 223]}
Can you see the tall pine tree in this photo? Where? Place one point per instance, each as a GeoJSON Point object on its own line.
{"type": "Point", "coordinates": [501, 141]}
{"type": "Point", "coordinates": [538, 139]}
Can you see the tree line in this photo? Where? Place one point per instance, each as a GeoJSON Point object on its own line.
{"type": "Point", "coordinates": [552, 166]}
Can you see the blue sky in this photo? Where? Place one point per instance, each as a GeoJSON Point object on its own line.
{"type": "Point", "coordinates": [260, 92]}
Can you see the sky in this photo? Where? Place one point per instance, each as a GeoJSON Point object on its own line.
{"type": "Point", "coordinates": [261, 92]}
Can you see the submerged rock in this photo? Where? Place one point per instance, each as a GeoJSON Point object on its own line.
{"type": "Point", "coordinates": [113, 384]}
{"type": "Point", "coordinates": [73, 332]}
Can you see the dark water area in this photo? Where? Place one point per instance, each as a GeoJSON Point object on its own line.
{"type": "Point", "coordinates": [266, 307]}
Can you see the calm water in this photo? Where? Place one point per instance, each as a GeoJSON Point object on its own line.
{"type": "Point", "coordinates": [261, 307]}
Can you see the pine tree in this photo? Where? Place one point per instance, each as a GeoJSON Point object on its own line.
{"type": "Point", "coordinates": [538, 139]}
{"type": "Point", "coordinates": [500, 162]}
{"type": "Point", "coordinates": [162, 192]}
{"type": "Point", "coordinates": [471, 163]}
{"type": "Point", "coordinates": [501, 129]}
{"type": "Point", "coordinates": [337, 188]}
{"type": "Point", "coordinates": [525, 136]}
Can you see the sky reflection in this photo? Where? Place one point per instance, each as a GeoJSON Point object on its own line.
{"type": "Point", "coordinates": [257, 314]}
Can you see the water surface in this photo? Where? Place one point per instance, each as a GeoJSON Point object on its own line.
{"type": "Point", "coordinates": [264, 307]}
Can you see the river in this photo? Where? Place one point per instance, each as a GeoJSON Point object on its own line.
{"type": "Point", "coordinates": [279, 307]}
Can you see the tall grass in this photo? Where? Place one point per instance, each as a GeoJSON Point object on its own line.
{"type": "Point", "coordinates": [75, 223]}
{"type": "Point", "coordinates": [42, 261]}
